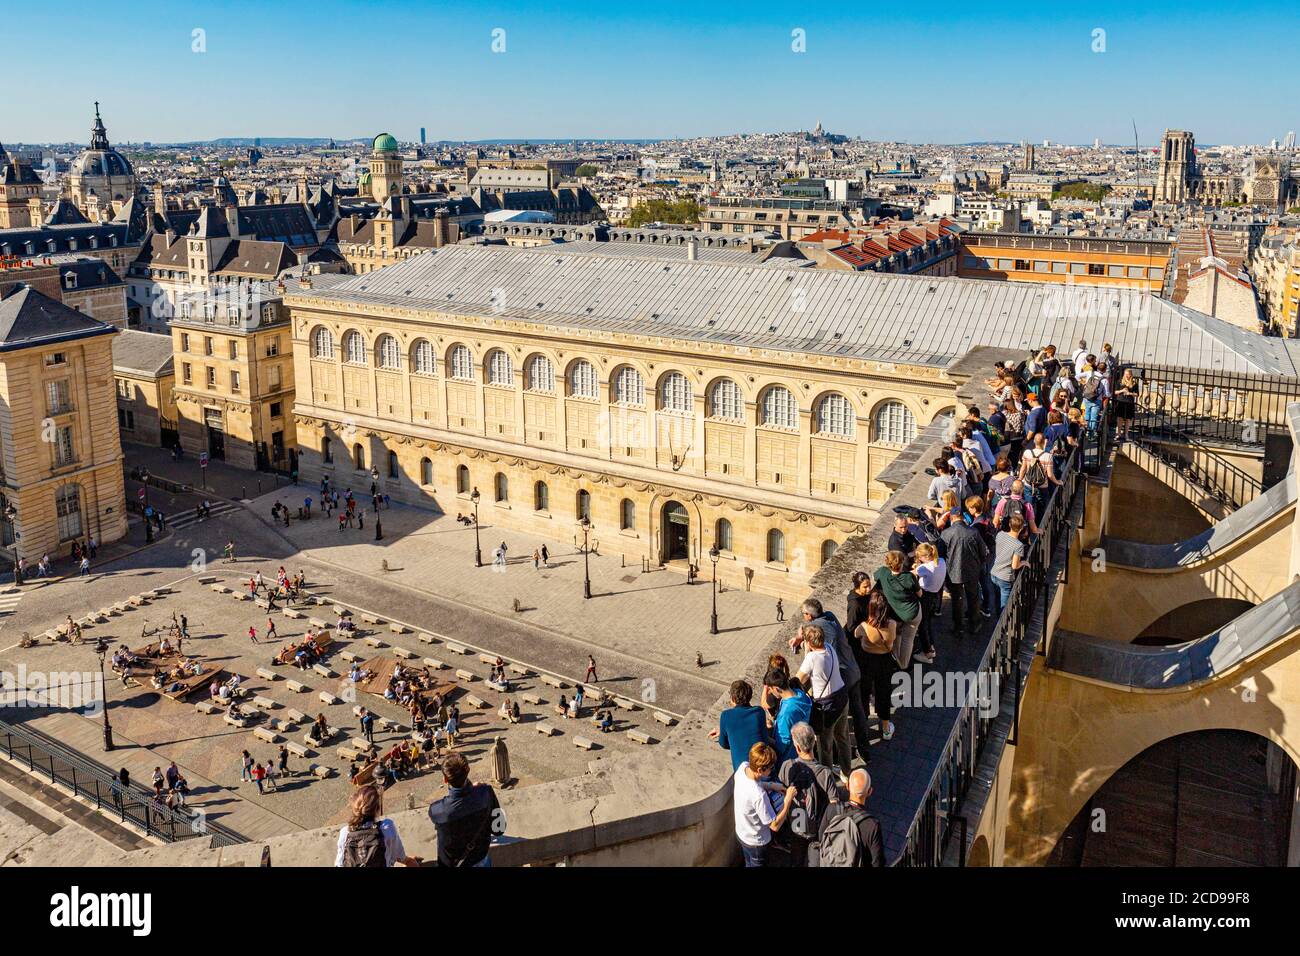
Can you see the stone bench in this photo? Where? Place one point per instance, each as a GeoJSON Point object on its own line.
{"type": "Point", "coordinates": [375, 642]}
{"type": "Point", "coordinates": [240, 596]}
{"type": "Point", "coordinates": [208, 707]}
{"type": "Point", "coordinates": [403, 652]}
{"type": "Point", "coordinates": [351, 657]}
{"type": "Point", "coordinates": [478, 703]}
{"type": "Point", "coordinates": [553, 681]}
{"type": "Point", "coordinates": [545, 729]}
{"type": "Point", "coordinates": [640, 736]}
{"type": "Point", "coordinates": [533, 699]}
{"type": "Point", "coordinates": [340, 610]}
{"type": "Point", "coordinates": [372, 619]}
{"type": "Point", "coordinates": [296, 715]}
{"type": "Point", "coordinates": [138, 600]}
{"type": "Point", "coordinates": [297, 686]}
{"type": "Point", "coordinates": [321, 771]}
{"type": "Point", "coordinates": [301, 750]}
{"type": "Point", "coordinates": [582, 743]}
{"type": "Point", "coordinates": [290, 612]}
{"type": "Point", "coordinates": [122, 606]}
{"type": "Point", "coordinates": [283, 726]}
{"type": "Point", "coordinates": [265, 703]}
{"type": "Point", "coordinates": [266, 673]}
{"type": "Point", "coordinates": [236, 721]}
{"type": "Point", "coordinates": [623, 703]}
{"type": "Point", "coordinates": [323, 670]}
{"type": "Point", "coordinates": [328, 698]}
{"type": "Point", "coordinates": [356, 711]}
{"type": "Point", "coordinates": [262, 603]}
{"type": "Point", "coordinates": [316, 623]}
{"type": "Point", "coordinates": [488, 659]}
{"type": "Point", "coordinates": [387, 723]}
{"type": "Point", "coordinates": [267, 734]}
{"type": "Point", "coordinates": [160, 590]}
{"type": "Point", "coordinates": [208, 579]}
{"type": "Point", "coordinates": [398, 628]}
{"type": "Point", "coordinates": [518, 669]}
{"type": "Point", "coordinates": [435, 663]}
{"type": "Point", "coordinates": [427, 638]}
{"type": "Point", "coordinates": [663, 718]}
{"type": "Point", "coordinates": [467, 676]}
{"type": "Point", "coordinates": [457, 648]}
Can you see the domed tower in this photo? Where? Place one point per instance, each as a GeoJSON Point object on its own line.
{"type": "Point", "coordinates": [102, 179]}
{"type": "Point", "coordinates": [385, 167]}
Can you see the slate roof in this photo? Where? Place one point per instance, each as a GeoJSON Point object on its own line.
{"type": "Point", "coordinates": [923, 320]}
{"type": "Point", "coordinates": [144, 353]}
{"type": "Point", "coordinates": [29, 318]}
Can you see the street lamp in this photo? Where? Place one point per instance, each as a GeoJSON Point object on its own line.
{"type": "Point", "coordinates": [11, 516]}
{"type": "Point", "coordinates": [714, 554]}
{"type": "Point", "coordinates": [478, 550]}
{"type": "Point", "coordinates": [101, 648]}
{"type": "Point", "coordinates": [585, 524]}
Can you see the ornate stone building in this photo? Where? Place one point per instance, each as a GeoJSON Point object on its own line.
{"type": "Point", "coordinates": [101, 181]}
{"type": "Point", "coordinates": [1264, 180]}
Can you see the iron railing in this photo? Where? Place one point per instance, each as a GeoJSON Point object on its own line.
{"type": "Point", "coordinates": [77, 773]}
{"type": "Point", "coordinates": [939, 812]}
{"type": "Point", "coordinates": [1236, 408]}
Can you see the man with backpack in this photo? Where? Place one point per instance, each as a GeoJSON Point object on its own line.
{"type": "Point", "coordinates": [817, 789]}
{"type": "Point", "coordinates": [850, 836]}
{"type": "Point", "coordinates": [1096, 389]}
{"type": "Point", "coordinates": [1012, 506]}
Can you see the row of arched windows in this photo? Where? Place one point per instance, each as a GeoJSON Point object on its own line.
{"type": "Point", "coordinates": [778, 407]}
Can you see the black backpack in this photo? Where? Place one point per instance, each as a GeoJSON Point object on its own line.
{"type": "Point", "coordinates": [1010, 508]}
{"type": "Point", "coordinates": [1092, 387]}
{"type": "Point", "coordinates": [1036, 475]}
{"type": "Point", "coordinates": [365, 846]}
{"type": "Point", "coordinates": [818, 793]}
{"type": "Point", "coordinates": [841, 838]}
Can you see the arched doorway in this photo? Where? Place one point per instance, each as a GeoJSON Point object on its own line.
{"type": "Point", "coordinates": [675, 533]}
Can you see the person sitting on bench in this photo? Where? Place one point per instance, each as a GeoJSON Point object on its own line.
{"type": "Point", "coordinates": [562, 708]}
{"type": "Point", "coordinates": [605, 721]}
{"type": "Point", "coordinates": [320, 730]}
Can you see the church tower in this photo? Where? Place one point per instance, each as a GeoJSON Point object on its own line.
{"type": "Point", "coordinates": [385, 168]}
{"type": "Point", "coordinates": [1177, 166]}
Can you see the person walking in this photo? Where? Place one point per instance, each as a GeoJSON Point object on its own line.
{"type": "Point", "coordinates": [247, 764]}
{"type": "Point", "coordinates": [284, 762]}
{"type": "Point", "coordinates": [546, 557]}
{"type": "Point", "coordinates": [590, 677]}
{"type": "Point", "coordinates": [271, 634]}
{"type": "Point", "coordinates": [537, 560]}
{"type": "Point", "coordinates": [368, 725]}
{"type": "Point", "coordinates": [268, 772]}
{"type": "Point", "coordinates": [85, 566]}
{"type": "Point", "coordinates": [780, 610]}
{"type": "Point", "coordinates": [259, 774]}
{"type": "Point", "coordinates": [252, 633]}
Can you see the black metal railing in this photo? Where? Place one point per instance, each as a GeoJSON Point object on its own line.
{"type": "Point", "coordinates": [932, 826]}
{"type": "Point", "coordinates": [1235, 408]}
{"type": "Point", "coordinates": [132, 804]}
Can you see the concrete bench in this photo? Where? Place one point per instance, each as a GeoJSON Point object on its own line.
{"type": "Point", "coordinates": [282, 726]}
{"type": "Point", "coordinates": [328, 698]}
{"type": "Point", "coordinates": [265, 703]}
{"type": "Point", "coordinates": [457, 648]}
{"type": "Point", "coordinates": [427, 638]}
{"type": "Point", "coordinates": [545, 729]}
{"type": "Point", "coordinates": [262, 603]}
{"type": "Point", "coordinates": [208, 707]}
{"type": "Point", "coordinates": [518, 669]}
{"type": "Point", "coordinates": [290, 612]}
{"type": "Point", "coordinates": [323, 670]}
{"type": "Point", "coordinates": [398, 628]}
{"type": "Point", "coordinates": [139, 600]}
{"type": "Point", "coordinates": [435, 663]}
{"type": "Point", "coordinates": [316, 623]}
{"type": "Point", "coordinates": [404, 653]}
{"type": "Point", "coordinates": [487, 659]}
{"type": "Point", "coordinates": [356, 711]}
{"type": "Point", "coordinates": [640, 736]}
{"type": "Point", "coordinates": [467, 676]}
{"type": "Point", "coordinates": [160, 590]}
{"type": "Point", "coordinates": [221, 589]}
{"type": "Point", "coordinates": [375, 642]}
{"type": "Point", "coordinates": [266, 673]}
{"type": "Point", "coordinates": [267, 734]}
{"type": "Point", "coordinates": [553, 681]}
{"type": "Point", "coordinates": [340, 610]}
{"type": "Point", "coordinates": [351, 656]}
{"type": "Point", "coordinates": [123, 606]}
{"type": "Point", "coordinates": [387, 723]}
{"type": "Point", "coordinates": [296, 715]}
{"type": "Point", "coordinates": [321, 771]}
{"type": "Point", "coordinates": [582, 743]}
{"type": "Point", "coordinates": [240, 596]}
{"type": "Point", "coordinates": [372, 619]}
{"type": "Point", "coordinates": [623, 703]}
{"type": "Point", "coordinates": [477, 703]}
{"type": "Point", "coordinates": [236, 721]}
{"type": "Point", "coordinates": [664, 719]}
{"type": "Point", "coordinates": [533, 699]}
{"type": "Point", "coordinates": [207, 578]}
{"type": "Point", "coordinates": [297, 686]}
{"type": "Point", "coordinates": [301, 750]}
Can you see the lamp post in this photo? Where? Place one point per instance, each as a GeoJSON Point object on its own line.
{"type": "Point", "coordinates": [714, 554]}
{"type": "Point", "coordinates": [478, 550]}
{"type": "Point", "coordinates": [585, 523]}
{"type": "Point", "coordinates": [101, 648]}
{"type": "Point", "coordinates": [11, 516]}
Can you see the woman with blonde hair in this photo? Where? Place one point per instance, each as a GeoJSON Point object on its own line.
{"type": "Point", "coordinates": [1126, 395]}
{"type": "Point", "coordinates": [948, 510]}
{"type": "Point", "coordinates": [931, 571]}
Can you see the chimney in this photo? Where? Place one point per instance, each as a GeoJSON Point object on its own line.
{"type": "Point", "coordinates": [305, 281]}
{"type": "Point", "coordinates": [441, 222]}
{"type": "Point", "coordinates": [170, 235]}
{"type": "Point", "coordinates": [159, 199]}
{"type": "Point", "coordinates": [232, 221]}
{"type": "Point", "coordinates": [404, 207]}
{"type": "Point", "coordinates": [692, 249]}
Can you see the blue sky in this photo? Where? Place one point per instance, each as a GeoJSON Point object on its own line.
{"type": "Point", "coordinates": [922, 72]}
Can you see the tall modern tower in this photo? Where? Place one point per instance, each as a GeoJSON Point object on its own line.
{"type": "Point", "coordinates": [421, 135]}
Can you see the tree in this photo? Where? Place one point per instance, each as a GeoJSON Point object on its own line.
{"type": "Point", "coordinates": [1091, 192]}
{"type": "Point", "coordinates": [661, 210]}
{"type": "Point", "coordinates": [586, 170]}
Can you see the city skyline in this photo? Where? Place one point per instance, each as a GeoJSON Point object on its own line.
{"type": "Point", "coordinates": [511, 74]}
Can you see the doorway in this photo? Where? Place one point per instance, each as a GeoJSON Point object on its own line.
{"type": "Point", "coordinates": [676, 532]}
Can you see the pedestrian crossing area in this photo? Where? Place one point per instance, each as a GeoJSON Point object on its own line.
{"type": "Point", "coordinates": [9, 598]}
{"type": "Point", "coordinates": [191, 518]}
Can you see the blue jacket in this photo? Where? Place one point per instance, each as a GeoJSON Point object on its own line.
{"type": "Point", "coordinates": [793, 710]}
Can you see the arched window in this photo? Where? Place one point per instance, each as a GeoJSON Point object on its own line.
{"type": "Point", "coordinates": [675, 393]}
{"type": "Point", "coordinates": [582, 380]}
{"type": "Point", "coordinates": [627, 515]}
{"type": "Point", "coordinates": [501, 487]}
{"type": "Point", "coordinates": [390, 353]}
{"type": "Point", "coordinates": [422, 362]}
{"type": "Point", "coordinates": [895, 424]}
{"type": "Point", "coordinates": [67, 501]}
{"type": "Point", "coordinates": [629, 387]}
{"type": "Point", "coordinates": [326, 450]}
{"type": "Point", "coordinates": [394, 471]}
{"type": "Point", "coordinates": [462, 480]}
{"type": "Point", "coordinates": [775, 547]}
{"type": "Point", "coordinates": [501, 371]}
{"type": "Point", "coordinates": [354, 348]}
{"type": "Point", "coordinates": [835, 416]}
{"type": "Point", "coordinates": [462, 363]}
{"type": "Point", "coordinates": [722, 535]}
{"type": "Point", "coordinates": [829, 548]}
{"type": "Point", "coordinates": [725, 401]}
{"type": "Point", "coordinates": [541, 497]}
{"type": "Point", "coordinates": [358, 457]}
{"type": "Point", "coordinates": [584, 505]}
{"type": "Point", "coordinates": [322, 343]}
{"type": "Point", "coordinates": [426, 471]}
{"type": "Point", "coordinates": [779, 409]}
{"type": "Point", "coordinates": [540, 375]}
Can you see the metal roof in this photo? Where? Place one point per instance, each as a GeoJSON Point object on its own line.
{"type": "Point", "coordinates": [923, 320]}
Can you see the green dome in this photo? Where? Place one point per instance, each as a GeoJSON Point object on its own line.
{"type": "Point", "coordinates": [384, 143]}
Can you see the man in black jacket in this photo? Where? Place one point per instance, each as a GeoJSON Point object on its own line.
{"type": "Point", "coordinates": [465, 818]}
{"type": "Point", "coordinates": [967, 554]}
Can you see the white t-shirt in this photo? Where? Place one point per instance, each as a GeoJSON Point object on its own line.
{"type": "Point", "coordinates": [824, 671]}
{"type": "Point", "coordinates": [754, 814]}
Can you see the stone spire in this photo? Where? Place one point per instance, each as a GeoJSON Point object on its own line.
{"type": "Point", "coordinates": [98, 135]}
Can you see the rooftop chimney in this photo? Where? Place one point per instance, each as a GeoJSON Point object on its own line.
{"type": "Point", "coordinates": [692, 249]}
{"type": "Point", "coordinates": [232, 221]}
{"type": "Point", "coordinates": [159, 199]}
